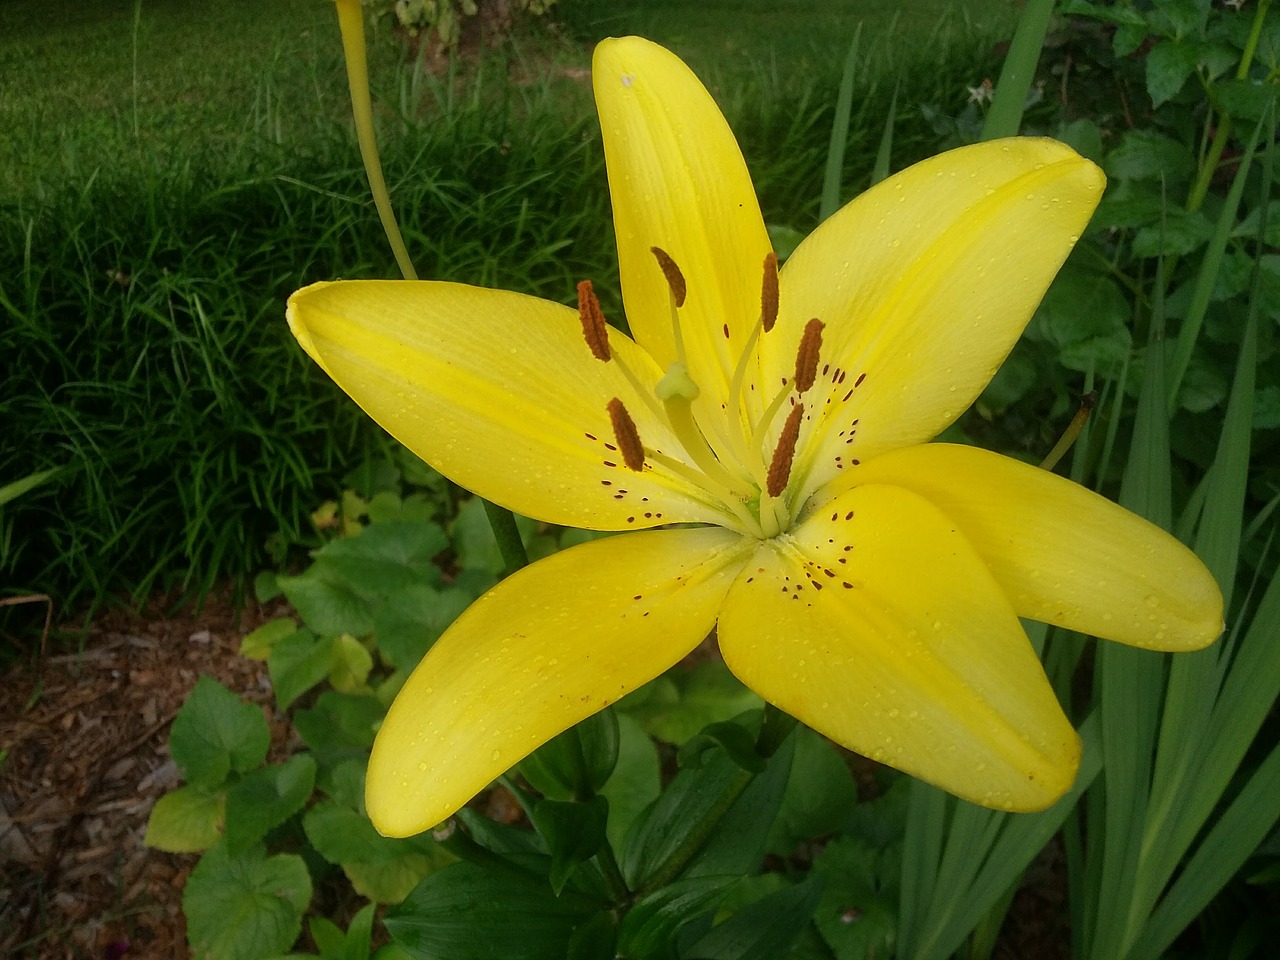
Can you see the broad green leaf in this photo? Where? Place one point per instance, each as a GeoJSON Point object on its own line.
{"type": "Point", "coordinates": [266, 798]}
{"type": "Point", "coordinates": [1145, 154]}
{"type": "Point", "coordinates": [327, 603]}
{"type": "Point", "coordinates": [636, 779]}
{"type": "Point", "coordinates": [764, 930]}
{"type": "Point", "coordinates": [465, 912]}
{"type": "Point", "coordinates": [257, 644]}
{"type": "Point", "coordinates": [352, 663]}
{"type": "Point", "coordinates": [297, 663]}
{"type": "Point", "coordinates": [246, 907]}
{"type": "Point", "coordinates": [408, 622]}
{"type": "Point", "coordinates": [340, 725]}
{"type": "Point", "coordinates": [856, 912]}
{"type": "Point", "coordinates": [215, 733]}
{"type": "Point", "coordinates": [386, 557]}
{"type": "Point", "coordinates": [680, 703]}
{"type": "Point", "coordinates": [819, 797]}
{"type": "Point", "coordinates": [187, 820]}
{"type": "Point", "coordinates": [1169, 64]}
{"type": "Point", "coordinates": [577, 762]}
{"type": "Point", "coordinates": [649, 929]}
{"type": "Point", "coordinates": [574, 833]}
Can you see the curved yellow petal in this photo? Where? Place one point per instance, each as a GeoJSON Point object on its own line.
{"type": "Point", "coordinates": [878, 625]}
{"type": "Point", "coordinates": [925, 282]}
{"type": "Point", "coordinates": [1064, 554]}
{"type": "Point", "coordinates": [500, 393]}
{"type": "Point", "coordinates": [678, 182]}
{"type": "Point", "coordinates": [547, 647]}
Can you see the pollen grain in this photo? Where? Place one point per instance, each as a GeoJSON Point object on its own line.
{"type": "Point", "coordinates": [628, 437]}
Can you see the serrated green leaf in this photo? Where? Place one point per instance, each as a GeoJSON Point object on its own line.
{"type": "Point", "coordinates": [187, 820]}
{"type": "Point", "coordinates": [215, 733]}
{"type": "Point", "coordinates": [327, 603]}
{"type": "Point", "coordinates": [1145, 154]}
{"type": "Point", "coordinates": [352, 663]}
{"type": "Point", "coordinates": [266, 798]}
{"type": "Point", "coordinates": [856, 913]}
{"type": "Point", "coordinates": [297, 663]}
{"type": "Point", "coordinates": [386, 558]}
{"type": "Point", "coordinates": [246, 907]}
{"type": "Point", "coordinates": [257, 644]}
{"type": "Point", "coordinates": [411, 620]}
{"type": "Point", "coordinates": [340, 725]}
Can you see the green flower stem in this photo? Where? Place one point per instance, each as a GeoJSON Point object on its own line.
{"type": "Point", "coordinates": [1005, 116]}
{"type": "Point", "coordinates": [508, 536]}
{"type": "Point", "coordinates": [351, 23]}
{"type": "Point", "coordinates": [1200, 188]}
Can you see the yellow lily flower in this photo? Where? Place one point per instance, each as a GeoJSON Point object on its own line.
{"type": "Point", "coordinates": [774, 425]}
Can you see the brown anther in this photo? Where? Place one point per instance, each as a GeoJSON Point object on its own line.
{"type": "Point", "coordinates": [769, 292]}
{"type": "Point", "coordinates": [594, 330]}
{"type": "Point", "coordinates": [675, 279]}
{"type": "Point", "coordinates": [780, 466]}
{"type": "Point", "coordinates": [628, 437]}
{"type": "Point", "coordinates": [807, 355]}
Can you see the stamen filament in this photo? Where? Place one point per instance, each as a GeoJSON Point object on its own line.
{"type": "Point", "coordinates": [683, 425]}
{"type": "Point", "coordinates": [702, 483]}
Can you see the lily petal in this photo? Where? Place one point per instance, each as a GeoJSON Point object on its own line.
{"type": "Point", "coordinates": [925, 282]}
{"type": "Point", "coordinates": [1062, 553]}
{"type": "Point", "coordinates": [678, 182]}
{"type": "Point", "coordinates": [547, 647]}
{"type": "Point", "coordinates": [500, 393]}
{"type": "Point", "coordinates": [878, 625]}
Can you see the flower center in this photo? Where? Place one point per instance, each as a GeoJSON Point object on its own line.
{"type": "Point", "coordinates": [726, 451]}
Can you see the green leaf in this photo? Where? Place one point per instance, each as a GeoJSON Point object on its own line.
{"type": "Point", "coordinates": [381, 868]}
{"type": "Point", "coordinates": [298, 663]}
{"type": "Point", "coordinates": [636, 780]}
{"type": "Point", "coordinates": [1245, 99]}
{"type": "Point", "coordinates": [215, 733]}
{"type": "Point", "coordinates": [679, 704]}
{"type": "Point", "coordinates": [577, 762]}
{"type": "Point", "coordinates": [266, 798]}
{"type": "Point", "coordinates": [246, 907]}
{"type": "Point", "coordinates": [464, 912]}
{"type": "Point", "coordinates": [1169, 64]}
{"type": "Point", "coordinates": [257, 645]}
{"type": "Point", "coordinates": [187, 820]}
{"type": "Point", "coordinates": [411, 620]}
{"type": "Point", "coordinates": [1177, 234]}
{"type": "Point", "coordinates": [386, 558]}
{"type": "Point", "coordinates": [766, 929]}
{"type": "Point", "coordinates": [1145, 154]}
{"type": "Point", "coordinates": [819, 796]}
{"type": "Point", "coordinates": [857, 911]}
{"type": "Point", "coordinates": [340, 725]}
{"type": "Point", "coordinates": [574, 833]}
{"type": "Point", "coordinates": [649, 929]}
{"type": "Point", "coordinates": [327, 603]}
{"type": "Point", "coordinates": [352, 663]}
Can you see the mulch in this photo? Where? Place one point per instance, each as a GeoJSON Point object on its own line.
{"type": "Point", "coordinates": [87, 740]}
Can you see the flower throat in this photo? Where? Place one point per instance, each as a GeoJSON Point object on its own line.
{"type": "Point", "coordinates": [727, 455]}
